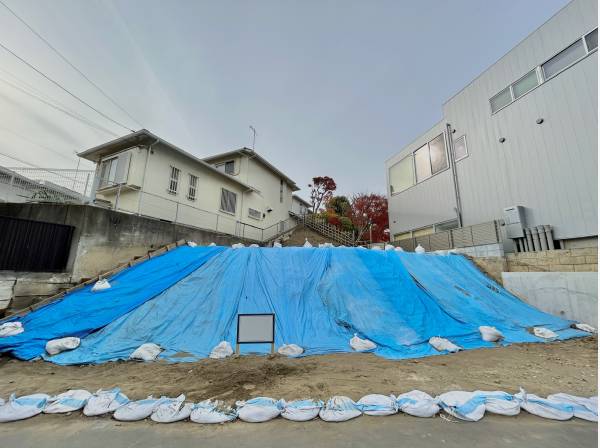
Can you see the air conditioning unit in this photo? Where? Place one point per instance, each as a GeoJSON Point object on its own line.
{"type": "Point", "coordinates": [514, 220]}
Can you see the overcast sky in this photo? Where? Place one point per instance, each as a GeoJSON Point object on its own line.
{"type": "Point", "coordinates": [332, 87]}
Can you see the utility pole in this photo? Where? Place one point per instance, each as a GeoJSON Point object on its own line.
{"type": "Point", "coordinates": [253, 136]}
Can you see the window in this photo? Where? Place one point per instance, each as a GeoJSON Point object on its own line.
{"type": "Point", "coordinates": [422, 164]}
{"type": "Point", "coordinates": [460, 148]}
{"type": "Point", "coordinates": [253, 213]}
{"type": "Point", "coordinates": [402, 175]}
{"type": "Point", "coordinates": [192, 187]}
{"type": "Point", "coordinates": [591, 40]}
{"type": "Point", "coordinates": [437, 153]}
{"type": "Point", "coordinates": [228, 200]}
{"type": "Point", "coordinates": [563, 59]}
{"type": "Point", "coordinates": [501, 99]}
{"type": "Point", "coordinates": [173, 180]}
{"type": "Point", "coordinates": [230, 167]}
{"type": "Point", "coordinates": [281, 190]}
{"type": "Point", "coordinates": [402, 236]}
{"type": "Point", "coordinates": [108, 171]}
{"type": "Point", "coordinates": [431, 158]}
{"type": "Point", "coordinates": [525, 84]}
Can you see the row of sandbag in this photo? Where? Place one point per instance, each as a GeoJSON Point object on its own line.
{"type": "Point", "coordinates": [468, 406]}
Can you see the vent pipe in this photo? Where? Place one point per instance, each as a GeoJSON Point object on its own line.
{"type": "Point", "coordinates": [529, 241]}
{"type": "Point", "coordinates": [549, 237]}
{"type": "Point", "coordinates": [536, 239]}
{"type": "Point", "coordinates": [543, 240]}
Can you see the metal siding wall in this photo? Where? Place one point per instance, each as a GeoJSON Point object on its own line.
{"type": "Point", "coordinates": [551, 168]}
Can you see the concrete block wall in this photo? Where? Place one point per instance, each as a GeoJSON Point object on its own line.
{"type": "Point", "coordinates": [485, 250]}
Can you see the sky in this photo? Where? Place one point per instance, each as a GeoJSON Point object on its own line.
{"type": "Point", "coordinates": [333, 88]}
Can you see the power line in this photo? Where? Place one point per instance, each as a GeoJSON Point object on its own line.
{"type": "Point", "coordinates": [47, 148]}
{"type": "Point", "coordinates": [65, 111]}
{"type": "Point", "coordinates": [64, 58]}
{"type": "Point", "coordinates": [64, 88]}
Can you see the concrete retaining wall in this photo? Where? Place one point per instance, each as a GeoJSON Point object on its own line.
{"type": "Point", "coordinates": [571, 295]}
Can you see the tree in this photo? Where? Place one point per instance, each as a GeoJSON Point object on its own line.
{"type": "Point", "coordinates": [340, 205]}
{"type": "Point", "coordinates": [322, 190]}
{"type": "Point", "coordinates": [370, 212]}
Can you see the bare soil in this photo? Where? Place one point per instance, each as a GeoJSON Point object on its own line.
{"type": "Point", "coordinates": [543, 368]}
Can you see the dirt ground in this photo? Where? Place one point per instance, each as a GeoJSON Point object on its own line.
{"type": "Point", "coordinates": [569, 366]}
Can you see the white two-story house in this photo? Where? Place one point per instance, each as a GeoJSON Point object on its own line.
{"type": "Point", "coordinates": [238, 192]}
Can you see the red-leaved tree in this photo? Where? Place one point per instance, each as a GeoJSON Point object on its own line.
{"type": "Point", "coordinates": [370, 211]}
{"type": "Point", "coordinates": [321, 191]}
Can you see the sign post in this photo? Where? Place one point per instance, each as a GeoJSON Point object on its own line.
{"type": "Point", "coordinates": [255, 329]}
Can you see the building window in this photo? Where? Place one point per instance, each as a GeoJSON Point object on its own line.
{"type": "Point", "coordinates": [281, 191]}
{"type": "Point", "coordinates": [192, 187]}
{"type": "Point", "coordinates": [563, 59]}
{"type": "Point", "coordinates": [173, 180]}
{"type": "Point", "coordinates": [228, 201]}
{"type": "Point", "coordinates": [253, 213]}
{"type": "Point", "coordinates": [525, 84]}
{"type": "Point", "coordinates": [591, 40]}
{"type": "Point", "coordinates": [431, 158]}
{"type": "Point", "coordinates": [108, 172]}
{"type": "Point", "coordinates": [437, 153]}
{"type": "Point", "coordinates": [501, 99]}
{"type": "Point", "coordinates": [402, 175]}
{"type": "Point", "coordinates": [460, 148]}
{"type": "Point", "coordinates": [227, 167]}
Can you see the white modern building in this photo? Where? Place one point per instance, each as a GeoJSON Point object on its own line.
{"type": "Point", "coordinates": [517, 146]}
{"type": "Point", "coordinates": [238, 192]}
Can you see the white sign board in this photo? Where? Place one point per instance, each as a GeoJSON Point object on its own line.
{"type": "Point", "coordinates": [256, 328]}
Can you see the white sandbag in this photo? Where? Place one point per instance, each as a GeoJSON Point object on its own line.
{"type": "Point", "coordinates": [277, 244]}
{"type": "Point", "coordinates": [463, 405]}
{"type": "Point", "coordinates": [499, 402]}
{"type": "Point", "coordinates": [172, 410]}
{"type": "Point", "coordinates": [138, 410]}
{"type": "Point", "coordinates": [399, 249]}
{"type": "Point", "coordinates": [587, 328]}
{"type": "Point", "coordinates": [192, 244]}
{"type": "Point", "coordinates": [209, 411]}
{"type": "Point", "coordinates": [419, 249]}
{"type": "Point", "coordinates": [417, 403]}
{"type": "Point", "coordinates": [69, 401]}
{"type": "Point", "coordinates": [11, 329]}
{"type": "Point", "coordinates": [290, 350]}
{"type": "Point", "coordinates": [490, 334]}
{"type": "Point", "coordinates": [212, 245]}
{"type": "Point", "coordinates": [23, 407]}
{"type": "Point", "coordinates": [544, 333]}
{"type": "Point", "coordinates": [237, 246]}
{"type": "Point", "coordinates": [389, 247]}
{"type": "Point", "coordinates": [104, 401]}
{"type": "Point", "coordinates": [361, 345]}
{"type": "Point", "coordinates": [301, 410]}
{"type": "Point", "coordinates": [307, 243]}
{"type": "Point", "coordinates": [376, 248]}
{"type": "Point", "coordinates": [146, 352]}
{"type": "Point", "coordinates": [544, 408]}
{"type": "Point", "coordinates": [339, 409]}
{"type": "Point", "coordinates": [254, 245]}
{"type": "Point", "coordinates": [584, 408]}
{"type": "Point", "coordinates": [443, 344]}
{"type": "Point", "coordinates": [101, 285]}
{"type": "Point", "coordinates": [259, 409]}
{"type": "Point", "coordinates": [376, 404]}
{"type": "Point", "coordinates": [56, 346]}
{"type": "Point", "coordinates": [221, 350]}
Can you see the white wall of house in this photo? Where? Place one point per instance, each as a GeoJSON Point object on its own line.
{"type": "Point", "coordinates": [298, 206]}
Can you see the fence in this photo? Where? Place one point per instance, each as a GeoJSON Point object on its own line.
{"type": "Point", "coordinates": [321, 226]}
{"type": "Point", "coordinates": [45, 185]}
{"type": "Point", "coordinates": [475, 235]}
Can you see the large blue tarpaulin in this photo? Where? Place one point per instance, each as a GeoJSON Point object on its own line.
{"type": "Point", "coordinates": [320, 298]}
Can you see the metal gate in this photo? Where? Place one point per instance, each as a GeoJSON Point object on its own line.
{"type": "Point", "coordinates": [34, 246]}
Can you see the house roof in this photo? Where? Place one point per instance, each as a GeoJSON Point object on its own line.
{"type": "Point", "coordinates": [301, 200]}
{"type": "Point", "coordinates": [145, 137]}
{"type": "Point", "coordinates": [250, 153]}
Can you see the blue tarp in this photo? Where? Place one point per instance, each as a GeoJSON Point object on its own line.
{"type": "Point", "coordinates": [187, 301]}
{"type": "Point", "coordinates": [320, 297]}
{"type": "Point", "coordinates": [83, 311]}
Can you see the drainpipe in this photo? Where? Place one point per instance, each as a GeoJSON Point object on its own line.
{"type": "Point", "coordinates": [148, 148]}
{"type": "Point", "coordinates": [536, 238]}
{"type": "Point", "coordinates": [549, 238]}
{"type": "Point", "coordinates": [520, 244]}
{"type": "Point", "coordinates": [458, 207]}
{"type": "Point", "coordinates": [543, 240]}
{"type": "Point", "coordinates": [529, 240]}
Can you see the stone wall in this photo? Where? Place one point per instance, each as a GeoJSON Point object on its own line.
{"type": "Point", "coordinates": [301, 233]}
{"type": "Point", "coordinates": [562, 260]}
